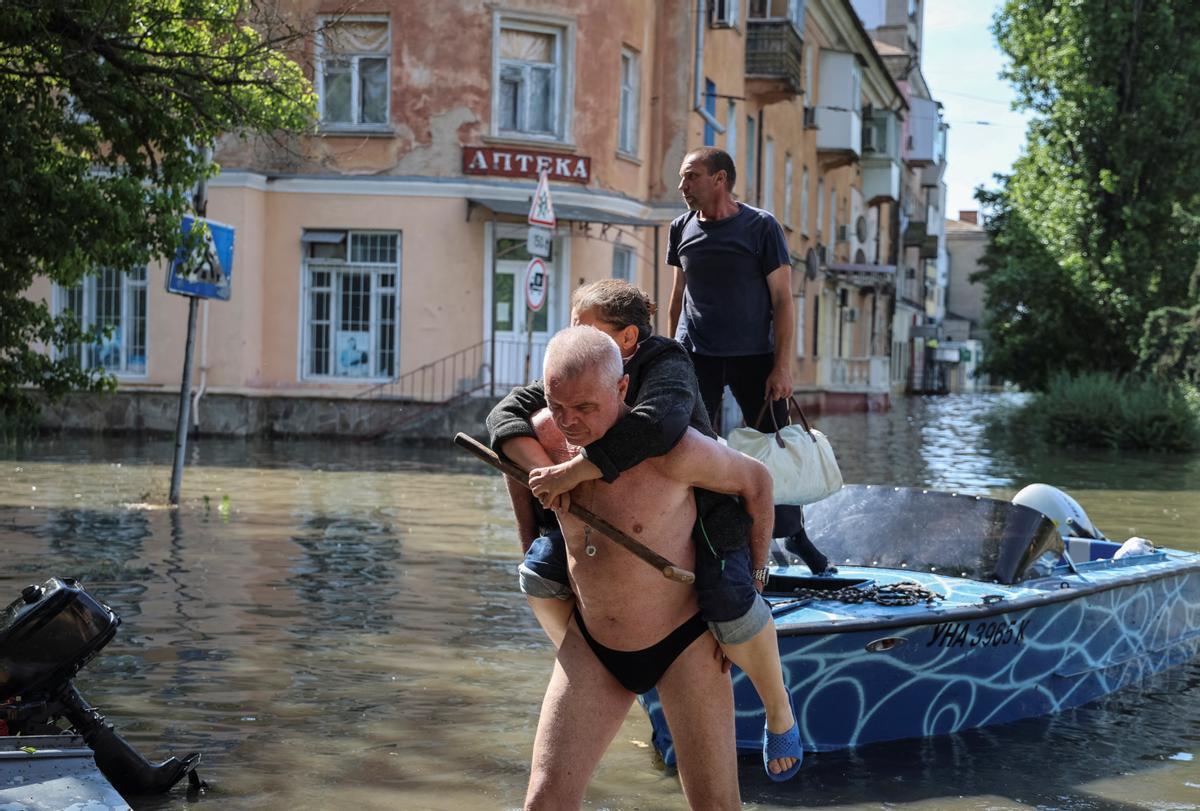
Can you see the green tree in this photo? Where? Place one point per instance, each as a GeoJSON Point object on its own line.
{"type": "Point", "coordinates": [103, 107]}
{"type": "Point", "coordinates": [1170, 348]}
{"type": "Point", "coordinates": [1092, 230]}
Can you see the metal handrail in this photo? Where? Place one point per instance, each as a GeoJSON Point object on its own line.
{"type": "Point", "coordinates": [460, 373]}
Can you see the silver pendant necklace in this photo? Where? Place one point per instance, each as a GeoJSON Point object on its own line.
{"type": "Point", "coordinates": [588, 547]}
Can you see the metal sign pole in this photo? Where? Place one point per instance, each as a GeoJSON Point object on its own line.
{"type": "Point", "coordinates": [200, 203]}
{"type": "Point", "coordinates": [185, 401]}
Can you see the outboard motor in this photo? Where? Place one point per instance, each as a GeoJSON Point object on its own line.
{"type": "Point", "coordinates": [46, 636]}
{"type": "Point", "coordinates": [1064, 511]}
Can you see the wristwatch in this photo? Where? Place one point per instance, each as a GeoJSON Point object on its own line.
{"type": "Point", "coordinates": [760, 575]}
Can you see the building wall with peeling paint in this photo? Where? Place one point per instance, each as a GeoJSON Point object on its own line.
{"type": "Point", "coordinates": [456, 233]}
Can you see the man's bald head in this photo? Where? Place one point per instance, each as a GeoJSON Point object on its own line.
{"type": "Point", "coordinates": [578, 351]}
{"type": "Point", "coordinates": [585, 383]}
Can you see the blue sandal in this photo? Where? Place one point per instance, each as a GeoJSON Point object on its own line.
{"type": "Point", "coordinates": [785, 744]}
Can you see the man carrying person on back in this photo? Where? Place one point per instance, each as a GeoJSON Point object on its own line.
{"type": "Point", "coordinates": [632, 629]}
{"type": "Point", "coordinates": [731, 308]}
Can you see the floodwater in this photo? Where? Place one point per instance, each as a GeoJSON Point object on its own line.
{"type": "Point", "coordinates": [336, 625]}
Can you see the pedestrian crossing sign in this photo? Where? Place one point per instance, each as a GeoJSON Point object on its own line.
{"type": "Point", "coordinates": [208, 271]}
{"type": "Point", "coordinates": [541, 212]}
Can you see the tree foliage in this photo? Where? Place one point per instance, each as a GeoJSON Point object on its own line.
{"type": "Point", "coordinates": [1093, 229]}
{"type": "Point", "coordinates": [104, 106]}
{"type": "Point", "coordinates": [1170, 347]}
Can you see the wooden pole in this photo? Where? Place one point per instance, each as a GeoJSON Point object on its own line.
{"type": "Point", "coordinates": [669, 570]}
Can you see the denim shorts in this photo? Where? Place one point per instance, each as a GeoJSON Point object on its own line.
{"type": "Point", "coordinates": [543, 572]}
{"type": "Point", "coordinates": [729, 602]}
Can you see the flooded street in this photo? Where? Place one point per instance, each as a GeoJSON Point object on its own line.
{"type": "Point", "coordinates": [337, 625]}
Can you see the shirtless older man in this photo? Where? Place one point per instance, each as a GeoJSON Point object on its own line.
{"type": "Point", "coordinates": [633, 629]}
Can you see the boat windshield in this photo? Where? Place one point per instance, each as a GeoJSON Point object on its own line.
{"type": "Point", "coordinates": [923, 530]}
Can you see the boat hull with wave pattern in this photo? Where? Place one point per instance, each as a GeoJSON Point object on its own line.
{"type": "Point", "coordinates": [983, 654]}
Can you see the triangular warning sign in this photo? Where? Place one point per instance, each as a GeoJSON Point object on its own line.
{"type": "Point", "coordinates": [541, 212]}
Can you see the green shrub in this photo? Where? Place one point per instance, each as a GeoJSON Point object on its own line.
{"type": "Point", "coordinates": [1101, 410]}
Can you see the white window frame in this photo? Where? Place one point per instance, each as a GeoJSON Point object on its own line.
{"type": "Point", "coordinates": [563, 31]}
{"type": "Point", "coordinates": [334, 266]}
{"type": "Point", "coordinates": [831, 237]}
{"type": "Point", "coordinates": [792, 12]}
{"type": "Point", "coordinates": [724, 14]}
{"type": "Point", "coordinates": [798, 308]}
{"type": "Point", "coordinates": [629, 109]}
{"type": "Point", "coordinates": [319, 78]}
{"type": "Point", "coordinates": [804, 202]}
{"type": "Point", "coordinates": [124, 325]}
{"type": "Point", "coordinates": [820, 206]}
{"type": "Point", "coordinates": [624, 264]}
{"type": "Point", "coordinates": [789, 179]}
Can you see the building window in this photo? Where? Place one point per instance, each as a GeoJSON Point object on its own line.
{"type": "Point", "coordinates": [723, 13]}
{"type": "Point", "coordinates": [353, 58]}
{"type": "Point", "coordinates": [831, 238]}
{"type": "Point", "coordinates": [623, 263]}
{"type": "Point", "coordinates": [351, 304]}
{"type": "Point", "coordinates": [800, 336]}
{"type": "Point", "coordinates": [820, 207]}
{"type": "Point", "coordinates": [804, 202]}
{"type": "Point", "coordinates": [768, 175]}
{"type": "Point", "coordinates": [809, 50]}
{"type": "Point", "coordinates": [788, 180]}
{"type": "Point", "coordinates": [627, 140]}
{"type": "Point", "coordinates": [530, 82]}
{"type": "Point", "coordinates": [731, 118]}
{"type": "Point", "coordinates": [114, 301]}
{"type": "Point", "coordinates": [710, 105]}
{"type": "Point", "coordinates": [750, 170]}
{"type": "Point", "coordinates": [790, 10]}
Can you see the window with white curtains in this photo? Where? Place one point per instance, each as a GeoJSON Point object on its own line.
{"type": "Point", "coordinates": [529, 81]}
{"type": "Point", "coordinates": [353, 75]}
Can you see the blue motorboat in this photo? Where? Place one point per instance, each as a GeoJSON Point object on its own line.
{"type": "Point", "coordinates": [950, 612]}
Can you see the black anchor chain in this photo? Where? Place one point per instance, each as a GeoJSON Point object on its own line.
{"type": "Point", "coordinates": [892, 594]}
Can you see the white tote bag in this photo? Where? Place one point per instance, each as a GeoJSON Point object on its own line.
{"type": "Point", "coordinates": [799, 457]}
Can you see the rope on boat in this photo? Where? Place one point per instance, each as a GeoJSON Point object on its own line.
{"type": "Point", "coordinates": [891, 594]}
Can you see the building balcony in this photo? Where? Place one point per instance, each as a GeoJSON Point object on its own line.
{"type": "Point", "coordinates": [922, 132]}
{"type": "Point", "coordinates": [931, 175]}
{"type": "Point", "coordinates": [929, 247]}
{"type": "Point", "coordinates": [861, 374]}
{"type": "Point", "coordinates": [880, 179]}
{"type": "Point", "coordinates": [839, 133]}
{"type": "Point", "coordinates": [774, 59]}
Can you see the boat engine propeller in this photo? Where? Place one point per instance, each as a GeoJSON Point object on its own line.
{"type": "Point", "coordinates": [46, 636]}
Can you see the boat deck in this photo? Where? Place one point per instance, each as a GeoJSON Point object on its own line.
{"type": "Point", "coordinates": [958, 597]}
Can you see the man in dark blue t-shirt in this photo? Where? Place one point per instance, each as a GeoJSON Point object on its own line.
{"type": "Point", "coordinates": [731, 306]}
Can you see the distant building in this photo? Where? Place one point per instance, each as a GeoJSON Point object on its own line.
{"type": "Point", "coordinates": [966, 241]}
{"type": "Point", "coordinates": [922, 265]}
